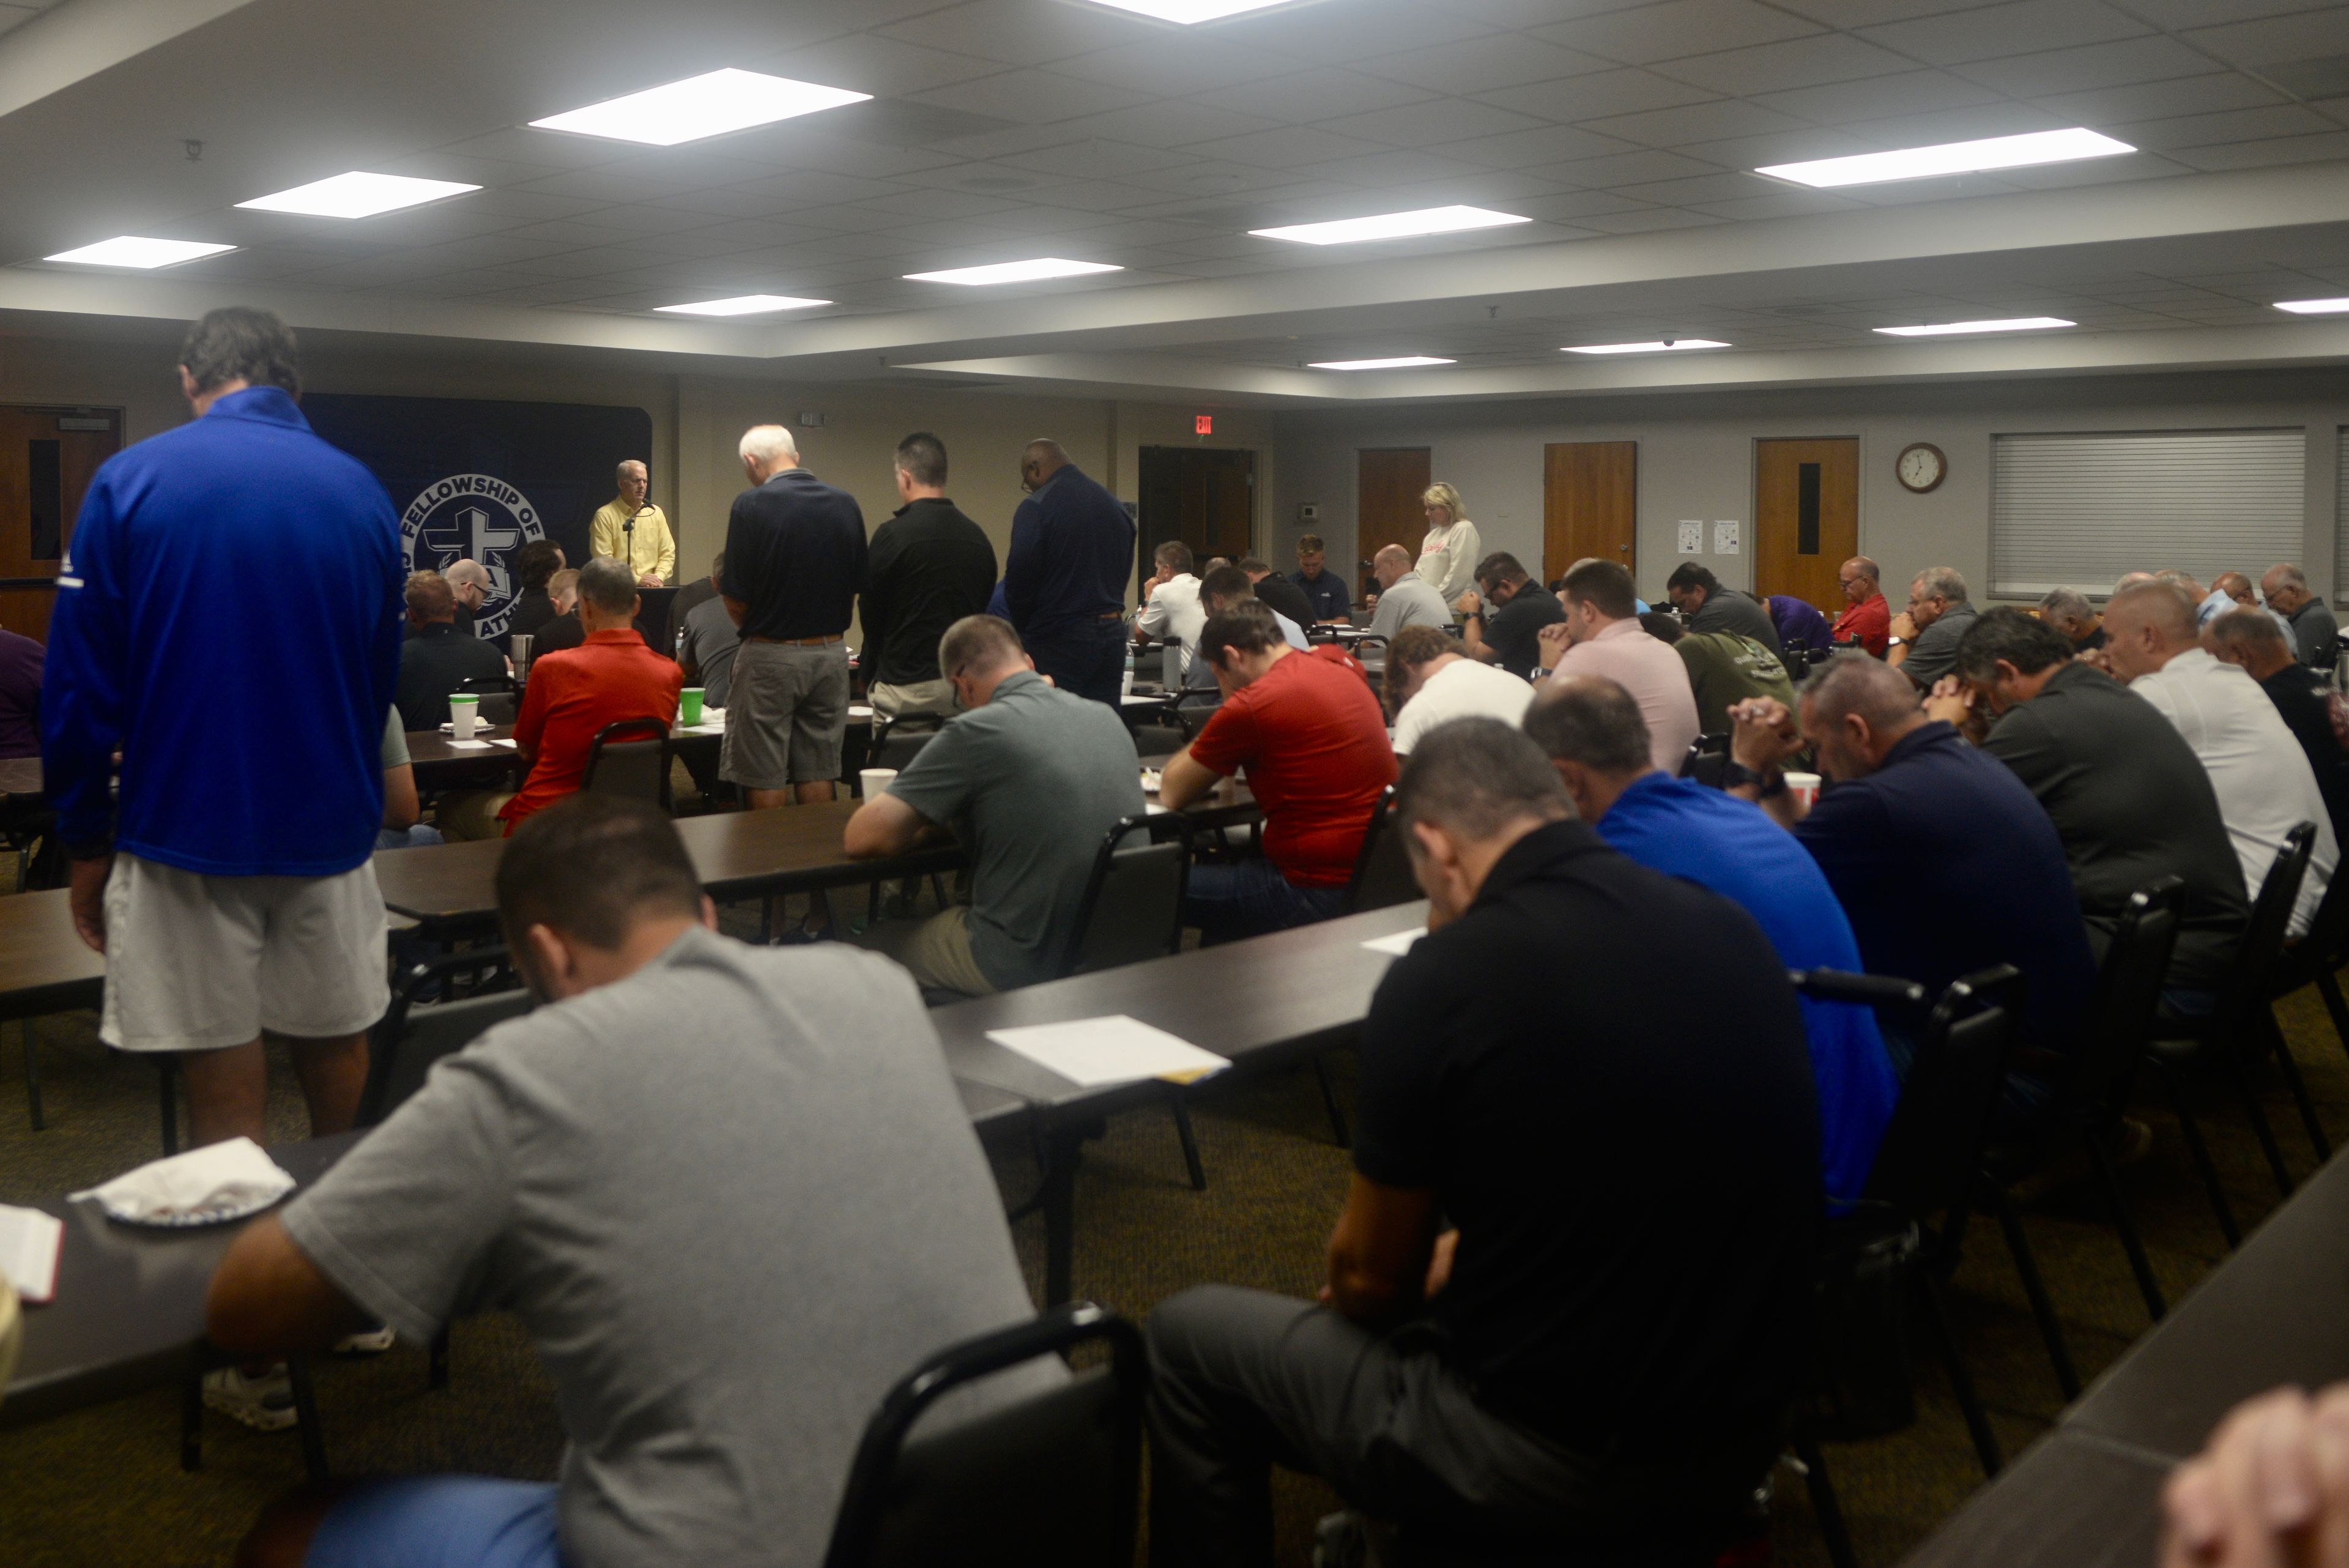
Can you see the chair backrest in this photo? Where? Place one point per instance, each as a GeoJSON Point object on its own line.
{"type": "Point", "coordinates": [403, 1046]}
{"type": "Point", "coordinates": [499, 703]}
{"type": "Point", "coordinates": [630, 757]}
{"type": "Point", "coordinates": [2128, 995]}
{"type": "Point", "coordinates": [1192, 717]}
{"type": "Point", "coordinates": [2260, 952]}
{"type": "Point", "coordinates": [1048, 1480]}
{"type": "Point", "coordinates": [1932, 1154]}
{"type": "Point", "coordinates": [1171, 664]}
{"type": "Point", "coordinates": [1133, 908]}
{"type": "Point", "coordinates": [900, 739]}
{"type": "Point", "coordinates": [1382, 876]}
{"type": "Point", "coordinates": [1715, 744]}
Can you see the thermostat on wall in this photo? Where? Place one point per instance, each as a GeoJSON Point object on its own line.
{"type": "Point", "coordinates": [807, 420]}
{"type": "Point", "coordinates": [1308, 512]}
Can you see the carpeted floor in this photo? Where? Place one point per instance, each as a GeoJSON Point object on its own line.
{"type": "Point", "coordinates": [103, 1486]}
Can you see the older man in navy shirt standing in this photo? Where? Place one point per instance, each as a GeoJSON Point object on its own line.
{"type": "Point", "coordinates": [1064, 580]}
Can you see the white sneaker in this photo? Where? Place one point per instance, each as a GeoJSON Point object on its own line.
{"type": "Point", "coordinates": [371, 1342]}
{"type": "Point", "coordinates": [265, 1403]}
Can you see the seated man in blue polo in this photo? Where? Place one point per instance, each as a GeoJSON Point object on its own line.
{"type": "Point", "coordinates": [1598, 741]}
{"type": "Point", "coordinates": [725, 1250]}
{"type": "Point", "coordinates": [1030, 779]}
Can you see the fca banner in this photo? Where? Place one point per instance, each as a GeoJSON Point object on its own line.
{"type": "Point", "coordinates": [480, 480]}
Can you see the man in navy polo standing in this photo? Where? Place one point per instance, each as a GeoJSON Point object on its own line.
{"type": "Point", "coordinates": [1064, 580]}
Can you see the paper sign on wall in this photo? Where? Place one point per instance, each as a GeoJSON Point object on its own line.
{"type": "Point", "coordinates": [1724, 538]}
{"type": "Point", "coordinates": [1691, 537]}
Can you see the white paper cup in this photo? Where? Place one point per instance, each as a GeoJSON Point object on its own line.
{"type": "Point", "coordinates": [1804, 787]}
{"type": "Point", "coordinates": [876, 781]}
{"type": "Point", "coordinates": [465, 713]}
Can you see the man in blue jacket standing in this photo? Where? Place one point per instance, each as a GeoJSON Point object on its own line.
{"type": "Point", "coordinates": [1065, 579]}
{"type": "Point", "coordinates": [231, 888]}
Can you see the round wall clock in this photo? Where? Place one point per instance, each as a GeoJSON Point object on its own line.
{"type": "Point", "coordinates": [1920, 467]}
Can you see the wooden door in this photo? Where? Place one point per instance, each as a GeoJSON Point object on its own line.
{"type": "Point", "coordinates": [1388, 483]}
{"type": "Point", "coordinates": [48, 457]}
{"type": "Point", "coordinates": [1590, 505]}
{"type": "Point", "coordinates": [1203, 495]}
{"type": "Point", "coordinates": [1805, 518]}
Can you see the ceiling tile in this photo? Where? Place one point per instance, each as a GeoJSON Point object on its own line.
{"type": "Point", "coordinates": [1909, 92]}
{"type": "Point", "coordinates": [1695, 123]}
{"type": "Point", "coordinates": [1597, 94]}
{"type": "Point", "coordinates": [1626, 169]}
{"type": "Point", "coordinates": [2178, 15]}
{"type": "Point", "coordinates": [2153, 101]}
{"type": "Point", "coordinates": [1098, 159]}
{"type": "Point", "coordinates": [816, 187]}
{"type": "Point", "coordinates": [1168, 122]}
{"type": "Point", "coordinates": [1543, 144]}
{"type": "Point", "coordinates": [1312, 95]}
{"type": "Point", "coordinates": [1032, 98]}
{"type": "Point", "coordinates": [1172, 66]}
{"type": "Point", "coordinates": [1483, 64]}
{"type": "Point", "coordinates": [1430, 124]}
{"type": "Point", "coordinates": [2306, 35]}
{"type": "Point", "coordinates": [1796, 63]}
{"type": "Point", "coordinates": [886, 68]}
{"type": "Point", "coordinates": [1709, 188]}
{"type": "Point", "coordinates": [1019, 33]}
{"type": "Point", "coordinates": [1997, 30]}
{"type": "Point", "coordinates": [2092, 65]}
{"type": "Point", "coordinates": [1785, 147]}
{"type": "Point", "coordinates": [2317, 149]}
{"type": "Point", "coordinates": [1652, 32]}
{"type": "Point", "coordinates": [1955, 125]}
{"type": "Point", "coordinates": [1285, 148]}
{"type": "Point", "coordinates": [1648, 219]}
{"type": "Point", "coordinates": [920, 203]}
{"type": "Point", "coordinates": [2232, 125]}
{"type": "Point", "coordinates": [1371, 29]}
{"type": "Point", "coordinates": [1382, 168]}
{"type": "Point", "coordinates": [1865, 13]}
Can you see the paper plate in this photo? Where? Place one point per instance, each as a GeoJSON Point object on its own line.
{"type": "Point", "coordinates": [223, 1214]}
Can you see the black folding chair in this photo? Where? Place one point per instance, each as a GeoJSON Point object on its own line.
{"type": "Point", "coordinates": [1048, 1481]}
{"type": "Point", "coordinates": [631, 757]}
{"type": "Point", "coordinates": [499, 702]}
{"type": "Point", "coordinates": [2091, 1078]}
{"type": "Point", "coordinates": [1382, 876]}
{"type": "Point", "coordinates": [1703, 751]}
{"type": "Point", "coordinates": [1929, 1163]}
{"type": "Point", "coordinates": [897, 741]}
{"type": "Point", "coordinates": [2242, 1027]}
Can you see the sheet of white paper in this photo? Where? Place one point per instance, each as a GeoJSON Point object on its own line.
{"type": "Point", "coordinates": [29, 1240]}
{"type": "Point", "coordinates": [1113, 1050]}
{"type": "Point", "coordinates": [472, 745]}
{"type": "Point", "coordinates": [859, 711]}
{"type": "Point", "coordinates": [508, 744]}
{"type": "Point", "coordinates": [1398, 944]}
{"type": "Point", "coordinates": [1690, 537]}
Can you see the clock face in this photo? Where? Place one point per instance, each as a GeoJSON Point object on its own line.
{"type": "Point", "coordinates": [1920, 467]}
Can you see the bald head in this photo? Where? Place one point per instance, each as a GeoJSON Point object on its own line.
{"type": "Point", "coordinates": [469, 580]}
{"type": "Point", "coordinates": [1390, 565]}
{"type": "Point", "coordinates": [2236, 586]}
{"type": "Point", "coordinates": [2146, 625]}
{"type": "Point", "coordinates": [1039, 460]}
{"type": "Point", "coordinates": [1860, 578]}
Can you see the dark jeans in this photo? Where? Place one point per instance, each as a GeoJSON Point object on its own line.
{"type": "Point", "coordinates": [1242, 1380]}
{"type": "Point", "coordinates": [1088, 658]}
{"type": "Point", "coordinates": [1228, 902]}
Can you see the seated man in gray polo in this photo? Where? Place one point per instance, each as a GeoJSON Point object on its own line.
{"type": "Point", "coordinates": [1032, 779]}
{"type": "Point", "coordinates": [730, 1192]}
{"type": "Point", "coordinates": [1403, 599]}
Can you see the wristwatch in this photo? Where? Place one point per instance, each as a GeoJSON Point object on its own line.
{"type": "Point", "coordinates": [1737, 776]}
{"type": "Point", "coordinates": [1896, 642]}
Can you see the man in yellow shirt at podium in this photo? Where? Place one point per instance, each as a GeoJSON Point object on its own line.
{"type": "Point", "coordinates": [648, 548]}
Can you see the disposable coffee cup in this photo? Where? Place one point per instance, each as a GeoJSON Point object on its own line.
{"type": "Point", "coordinates": [465, 713]}
{"type": "Point", "coordinates": [688, 703]}
{"type": "Point", "coordinates": [876, 781]}
{"type": "Point", "coordinates": [1804, 787]}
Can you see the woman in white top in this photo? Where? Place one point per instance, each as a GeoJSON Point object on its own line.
{"type": "Point", "coordinates": [1448, 556]}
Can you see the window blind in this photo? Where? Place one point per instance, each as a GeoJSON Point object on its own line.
{"type": "Point", "coordinates": [2078, 511]}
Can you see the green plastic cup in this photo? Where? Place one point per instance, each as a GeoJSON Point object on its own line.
{"type": "Point", "coordinates": [690, 700]}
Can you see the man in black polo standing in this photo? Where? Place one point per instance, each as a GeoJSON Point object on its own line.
{"type": "Point", "coordinates": [1064, 582]}
{"type": "Point", "coordinates": [795, 565]}
{"type": "Point", "coordinates": [932, 567]}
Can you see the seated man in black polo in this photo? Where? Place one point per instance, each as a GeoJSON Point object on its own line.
{"type": "Point", "coordinates": [1504, 619]}
{"type": "Point", "coordinates": [437, 656]}
{"type": "Point", "coordinates": [1597, 1359]}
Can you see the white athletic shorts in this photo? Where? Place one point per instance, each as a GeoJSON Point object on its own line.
{"type": "Point", "coordinates": [200, 964]}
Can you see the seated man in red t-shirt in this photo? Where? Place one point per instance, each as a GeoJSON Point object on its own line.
{"type": "Point", "coordinates": [1865, 615]}
{"type": "Point", "coordinates": [571, 696]}
{"type": "Point", "coordinates": [1314, 743]}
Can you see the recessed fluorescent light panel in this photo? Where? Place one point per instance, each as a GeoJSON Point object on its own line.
{"type": "Point", "coordinates": [1404, 362]}
{"type": "Point", "coordinates": [742, 305]}
{"type": "Point", "coordinates": [1189, 11]}
{"type": "Point", "coordinates": [131, 250]}
{"type": "Point", "coordinates": [1953, 329]}
{"type": "Point", "coordinates": [708, 105]}
{"type": "Point", "coordinates": [2314, 307]}
{"type": "Point", "coordinates": [1391, 226]}
{"type": "Point", "coordinates": [1014, 271]}
{"type": "Point", "coordinates": [1673, 347]}
{"type": "Point", "coordinates": [357, 196]}
{"type": "Point", "coordinates": [1951, 157]}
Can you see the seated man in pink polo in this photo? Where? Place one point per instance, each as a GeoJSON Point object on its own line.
{"type": "Point", "coordinates": [1602, 636]}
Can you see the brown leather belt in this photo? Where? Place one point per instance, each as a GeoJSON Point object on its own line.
{"type": "Point", "coordinates": [797, 641]}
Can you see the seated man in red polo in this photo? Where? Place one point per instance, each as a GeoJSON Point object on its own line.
{"type": "Point", "coordinates": [571, 695]}
{"type": "Point", "coordinates": [1314, 743]}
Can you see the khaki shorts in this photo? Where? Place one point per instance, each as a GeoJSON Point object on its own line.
{"type": "Point", "coordinates": [914, 697]}
{"type": "Point", "coordinates": [935, 952]}
{"type": "Point", "coordinates": [786, 712]}
{"type": "Point", "coordinates": [201, 963]}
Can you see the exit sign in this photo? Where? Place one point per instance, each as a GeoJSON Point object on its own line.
{"type": "Point", "coordinates": [1203, 424]}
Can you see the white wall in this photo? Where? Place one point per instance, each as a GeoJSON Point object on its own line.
{"type": "Point", "coordinates": [1696, 459]}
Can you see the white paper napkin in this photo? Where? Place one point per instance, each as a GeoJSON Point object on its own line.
{"type": "Point", "coordinates": [220, 1176]}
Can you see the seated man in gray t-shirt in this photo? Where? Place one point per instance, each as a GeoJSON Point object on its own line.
{"type": "Point", "coordinates": [1404, 600]}
{"type": "Point", "coordinates": [1032, 779]}
{"type": "Point", "coordinates": [730, 1192]}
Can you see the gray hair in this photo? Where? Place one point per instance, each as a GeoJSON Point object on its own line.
{"type": "Point", "coordinates": [2288, 575]}
{"type": "Point", "coordinates": [2246, 628]}
{"type": "Point", "coordinates": [1476, 777]}
{"type": "Point", "coordinates": [978, 644]}
{"type": "Point", "coordinates": [609, 585]}
{"type": "Point", "coordinates": [621, 471]}
{"type": "Point", "coordinates": [1855, 683]}
{"type": "Point", "coordinates": [1943, 582]}
{"type": "Point", "coordinates": [767, 444]}
{"type": "Point", "coordinates": [1591, 720]}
